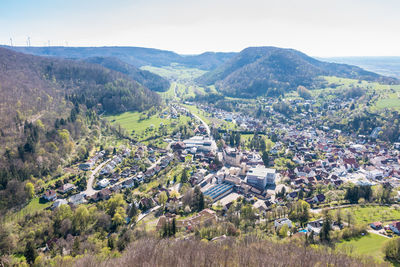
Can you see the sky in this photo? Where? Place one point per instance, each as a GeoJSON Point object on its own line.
{"type": "Point", "coordinates": [317, 27]}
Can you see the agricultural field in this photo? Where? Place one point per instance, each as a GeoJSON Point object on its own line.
{"type": "Point", "coordinates": [170, 94]}
{"type": "Point", "coordinates": [175, 72]}
{"type": "Point", "coordinates": [382, 96]}
{"type": "Point", "coordinates": [368, 245]}
{"type": "Point", "coordinates": [390, 101]}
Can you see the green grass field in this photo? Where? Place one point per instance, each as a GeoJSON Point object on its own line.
{"type": "Point", "coordinates": [369, 245]}
{"type": "Point", "coordinates": [204, 116]}
{"type": "Point", "coordinates": [212, 121]}
{"type": "Point", "coordinates": [385, 96]}
{"type": "Point", "coordinates": [170, 94]}
{"type": "Point", "coordinates": [131, 121]}
{"type": "Point", "coordinates": [369, 214]}
{"type": "Point", "coordinates": [176, 71]}
{"type": "Point", "coordinates": [33, 206]}
{"type": "Point", "coordinates": [392, 101]}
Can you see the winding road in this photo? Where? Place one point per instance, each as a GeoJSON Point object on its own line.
{"type": "Point", "coordinates": [89, 187]}
{"type": "Point", "coordinates": [198, 118]}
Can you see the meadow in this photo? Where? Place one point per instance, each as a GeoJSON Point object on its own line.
{"type": "Point", "coordinates": [370, 214]}
{"type": "Point", "coordinates": [368, 245]}
{"type": "Point", "coordinates": [176, 72]}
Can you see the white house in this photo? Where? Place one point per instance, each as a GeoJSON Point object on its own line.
{"type": "Point", "coordinates": [280, 222]}
{"type": "Point", "coordinates": [77, 199]}
{"type": "Point", "coordinates": [315, 226]}
{"type": "Point", "coordinates": [103, 183]}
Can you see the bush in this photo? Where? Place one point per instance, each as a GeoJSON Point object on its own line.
{"type": "Point", "coordinates": [350, 232]}
{"type": "Point", "coordinates": [392, 250]}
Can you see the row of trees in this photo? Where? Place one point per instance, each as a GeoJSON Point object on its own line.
{"type": "Point", "coordinates": [382, 194]}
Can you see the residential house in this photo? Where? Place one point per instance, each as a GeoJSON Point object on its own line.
{"type": "Point", "coordinates": [315, 226]}
{"type": "Point", "coordinates": [50, 195]}
{"type": "Point", "coordinates": [103, 183]}
{"type": "Point", "coordinates": [395, 227]}
{"type": "Point", "coordinates": [58, 203]}
{"type": "Point", "coordinates": [376, 225]}
{"type": "Point", "coordinates": [319, 198]}
{"type": "Point", "coordinates": [77, 199]}
{"type": "Point", "coordinates": [128, 183]}
{"type": "Point", "coordinates": [280, 222]}
{"type": "Point", "coordinates": [66, 188]}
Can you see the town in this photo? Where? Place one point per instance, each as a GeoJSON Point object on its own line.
{"type": "Point", "coordinates": [293, 179]}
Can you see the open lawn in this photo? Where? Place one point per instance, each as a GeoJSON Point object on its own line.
{"type": "Point", "coordinates": [369, 245]}
{"type": "Point", "coordinates": [33, 206]}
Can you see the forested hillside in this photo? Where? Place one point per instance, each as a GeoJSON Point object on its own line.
{"type": "Point", "coordinates": [146, 78]}
{"type": "Point", "coordinates": [46, 107]}
{"type": "Point", "coordinates": [231, 252]}
{"type": "Point", "coordinates": [270, 70]}
{"type": "Point", "coordinates": [137, 56]}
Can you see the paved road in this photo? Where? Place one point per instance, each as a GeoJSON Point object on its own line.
{"type": "Point", "coordinates": [89, 186]}
{"type": "Point", "coordinates": [377, 233]}
{"type": "Point", "coordinates": [147, 212]}
{"type": "Point", "coordinates": [203, 122]}
{"type": "Point", "coordinates": [90, 191]}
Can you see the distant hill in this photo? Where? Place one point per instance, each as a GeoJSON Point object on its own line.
{"type": "Point", "coordinates": [258, 71]}
{"type": "Point", "coordinates": [36, 84]}
{"type": "Point", "coordinates": [388, 66]}
{"type": "Point", "coordinates": [148, 79]}
{"type": "Point", "coordinates": [137, 56]}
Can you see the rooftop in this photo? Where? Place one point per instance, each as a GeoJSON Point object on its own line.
{"type": "Point", "coordinates": [260, 171]}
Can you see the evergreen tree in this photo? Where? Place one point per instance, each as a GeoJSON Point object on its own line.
{"type": "Point", "coordinates": [326, 228]}
{"type": "Point", "coordinates": [173, 227]}
{"type": "Point", "coordinates": [76, 246]}
{"type": "Point", "coordinates": [184, 176]}
{"type": "Point", "coordinates": [237, 139]}
{"type": "Point", "coordinates": [265, 158]}
{"type": "Point", "coordinates": [232, 139]}
{"type": "Point", "coordinates": [30, 253]}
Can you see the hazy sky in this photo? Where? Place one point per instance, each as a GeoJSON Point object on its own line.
{"type": "Point", "coordinates": [316, 27]}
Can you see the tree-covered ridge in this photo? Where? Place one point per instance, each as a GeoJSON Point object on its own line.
{"type": "Point", "coordinates": [97, 85]}
{"type": "Point", "coordinates": [136, 56]}
{"type": "Point", "coordinates": [49, 115]}
{"type": "Point", "coordinates": [146, 78]}
{"type": "Point", "coordinates": [264, 70]}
